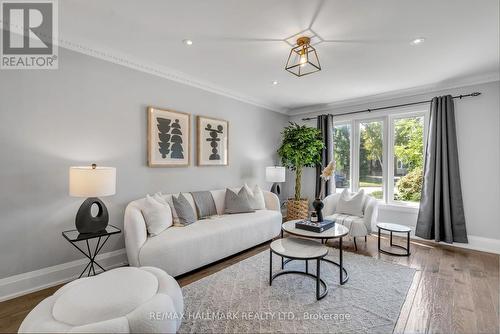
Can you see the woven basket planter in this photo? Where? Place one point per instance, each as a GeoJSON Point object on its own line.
{"type": "Point", "coordinates": [297, 209]}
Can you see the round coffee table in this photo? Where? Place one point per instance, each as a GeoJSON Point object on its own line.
{"type": "Point", "coordinates": [397, 229]}
{"type": "Point", "coordinates": [336, 232]}
{"type": "Point", "coordinates": [299, 249]}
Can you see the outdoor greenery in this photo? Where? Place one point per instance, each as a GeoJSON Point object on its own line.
{"type": "Point", "coordinates": [341, 137]}
{"type": "Point", "coordinates": [410, 186]}
{"type": "Point", "coordinates": [301, 147]}
{"type": "Point", "coordinates": [371, 156]}
{"type": "Point", "coordinates": [408, 149]}
{"type": "Point", "coordinates": [408, 142]}
{"type": "Point", "coordinates": [371, 139]}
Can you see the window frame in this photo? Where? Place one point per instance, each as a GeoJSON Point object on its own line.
{"type": "Point", "coordinates": [387, 118]}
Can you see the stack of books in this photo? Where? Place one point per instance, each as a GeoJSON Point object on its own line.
{"type": "Point", "coordinates": [315, 227]}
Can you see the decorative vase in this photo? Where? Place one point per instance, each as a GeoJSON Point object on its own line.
{"type": "Point", "coordinates": [297, 209]}
{"type": "Point", "coordinates": [318, 205]}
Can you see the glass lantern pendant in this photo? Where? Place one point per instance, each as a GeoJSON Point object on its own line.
{"type": "Point", "coordinates": [303, 58]}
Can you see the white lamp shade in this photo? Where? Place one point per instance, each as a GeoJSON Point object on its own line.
{"type": "Point", "coordinates": [92, 182]}
{"type": "Point", "coordinates": [275, 174]}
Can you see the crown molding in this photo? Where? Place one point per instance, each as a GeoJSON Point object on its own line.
{"type": "Point", "coordinates": [407, 92]}
{"type": "Point", "coordinates": [167, 73]}
{"type": "Point", "coordinates": [183, 78]}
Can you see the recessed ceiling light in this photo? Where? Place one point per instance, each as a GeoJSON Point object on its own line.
{"type": "Point", "coordinates": [418, 41]}
{"type": "Point", "coordinates": [275, 83]}
{"type": "Point", "coordinates": [188, 42]}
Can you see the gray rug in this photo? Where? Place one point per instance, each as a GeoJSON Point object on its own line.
{"type": "Point", "coordinates": [239, 299]}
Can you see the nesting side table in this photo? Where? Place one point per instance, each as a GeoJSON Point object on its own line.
{"type": "Point", "coordinates": [394, 228]}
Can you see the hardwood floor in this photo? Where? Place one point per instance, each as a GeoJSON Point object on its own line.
{"type": "Point", "coordinates": [454, 290]}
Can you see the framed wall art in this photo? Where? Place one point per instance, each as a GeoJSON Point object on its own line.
{"type": "Point", "coordinates": [212, 141]}
{"type": "Point", "coordinates": [169, 134]}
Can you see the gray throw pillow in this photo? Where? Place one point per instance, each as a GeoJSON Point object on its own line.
{"type": "Point", "coordinates": [184, 210]}
{"type": "Point", "coordinates": [205, 205]}
{"type": "Point", "coordinates": [238, 203]}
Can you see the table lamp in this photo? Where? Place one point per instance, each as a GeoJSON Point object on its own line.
{"type": "Point", "coordinates": [276, 175]}
{"type": "Point", "coordinates": [91, 182]}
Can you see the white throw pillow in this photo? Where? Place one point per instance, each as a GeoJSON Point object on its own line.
{"type": "Point", "coordinates": [157, 214]}
{"type": "Point", "coordinates": [257, 201]}
{"type": "Point", "coordinates": [351, 203]}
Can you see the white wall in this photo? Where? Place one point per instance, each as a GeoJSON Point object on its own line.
{"type": "Point", "coordinates": [90, 110]}
{"type": "Point", "coordinates": [478, 134]}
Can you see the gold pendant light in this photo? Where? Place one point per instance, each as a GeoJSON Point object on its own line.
{"type": "Point", "coordinates": [303, 58]}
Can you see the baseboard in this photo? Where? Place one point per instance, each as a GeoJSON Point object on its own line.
{"type": "Point", "coordinates": [479, 243]}
{"type": "Point", "coordinates": [482, 244]}
{"type": "Point", "coordinates": [18, 285]}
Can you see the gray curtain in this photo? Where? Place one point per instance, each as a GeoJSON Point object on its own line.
{"type": "Point", "coordinates": [325, 125]}
{"type": "Point", "coordinates": [441, 214]}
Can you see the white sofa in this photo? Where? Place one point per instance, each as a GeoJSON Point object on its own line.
{"type": "Point", "coordinates": [358, 226]}
{"type": "Point", "coordinates": [178, 250]}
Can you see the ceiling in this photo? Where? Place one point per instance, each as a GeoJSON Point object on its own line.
{"type": "Point", "coordinates": [239, 47]}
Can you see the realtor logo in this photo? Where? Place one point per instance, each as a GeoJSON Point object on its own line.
{"type": "Point", "coordinates": [29, 31]}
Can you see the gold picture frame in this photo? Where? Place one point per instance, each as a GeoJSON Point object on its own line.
{"type": "Point", "coordinates": [169, 138]}
{"type": "Point", "coordinates": [212, 141]}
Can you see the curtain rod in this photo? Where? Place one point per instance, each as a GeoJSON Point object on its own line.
{"type": "Point", "coordinates": [393, 106]}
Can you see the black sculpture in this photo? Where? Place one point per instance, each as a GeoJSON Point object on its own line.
{"type": "Point", "coordinates": [318, 206]}
{"type": "Point", "coordinates": [213, 139]}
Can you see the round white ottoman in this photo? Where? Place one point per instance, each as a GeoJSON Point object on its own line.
{"type": "Point", "coordinates": [122, 300]}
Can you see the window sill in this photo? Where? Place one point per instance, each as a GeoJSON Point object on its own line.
{"type": "Point", "coordinates": [399, 207]}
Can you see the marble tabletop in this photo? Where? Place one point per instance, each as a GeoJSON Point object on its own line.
{"type": "Point", "coordinates": [337, 231]}
{"type": "Point", "coordinates": [299, 248]}
{"type": "Point", "coordinates": [393, 227]}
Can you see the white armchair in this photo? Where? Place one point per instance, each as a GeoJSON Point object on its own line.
{"type": "Point", "coordinates": [358, 226]}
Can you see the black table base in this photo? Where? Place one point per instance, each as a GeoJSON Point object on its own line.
{"type": "Point", "coordinates": [343, 275]}
{"type": "Point", "coordinates": [74, 238]}
{"type": "Point", "coordinates": [91, 255]}
{"type": "Point", "coordinates": [406, 249]}
{"type": "Point", "coordinates": [319, 282]}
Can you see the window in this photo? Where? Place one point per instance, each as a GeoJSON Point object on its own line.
{"type": "Point", "coordinates": [408, 158]}
{"type": "Point", "coordinates": [371, 151]}
{"type": "Point", "coordinates": [371, 157]}
{"type": "Point", "coordinates": [342, 139]}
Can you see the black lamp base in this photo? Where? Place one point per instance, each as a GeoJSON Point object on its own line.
{"type": "Point", "coordinates": [85, 222]}
{"type": "Point", "coordinates": [276, 189]}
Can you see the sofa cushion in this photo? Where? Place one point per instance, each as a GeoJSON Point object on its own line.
{"type": "Point", "coordinates": [184, 210]}
{"type": "Point", "coordinates": [238, 203]}
{"type": "Point", "coordinates": [257, 201]}
{"type": "Point", "coordinates": [351, 203]}
{"type": "Point", "coordinates": [209, 240]}
{"type": "Point", "coordinates": [219, 197]}
{"type": "Point", "coordinates": [205, 205]}
{"type": "Point", "coordinates": [168, 199]}
{"type": "Point", "coordinates": [157, 214]}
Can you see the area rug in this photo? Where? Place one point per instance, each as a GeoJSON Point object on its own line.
{"type": "Point", "coordinates": [239, 299]}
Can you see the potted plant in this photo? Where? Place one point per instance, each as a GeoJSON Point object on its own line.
{"type": "Point", "coordinates": [301, 147]}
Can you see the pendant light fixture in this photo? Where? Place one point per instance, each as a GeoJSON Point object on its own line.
{"type": "Point", "coordinates": [303, 58]}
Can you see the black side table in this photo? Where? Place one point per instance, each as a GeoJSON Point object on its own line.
{"type": "Point", "coordinates": [73, 237]}
{"type": "Point", "coordinates": [397, 229]}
